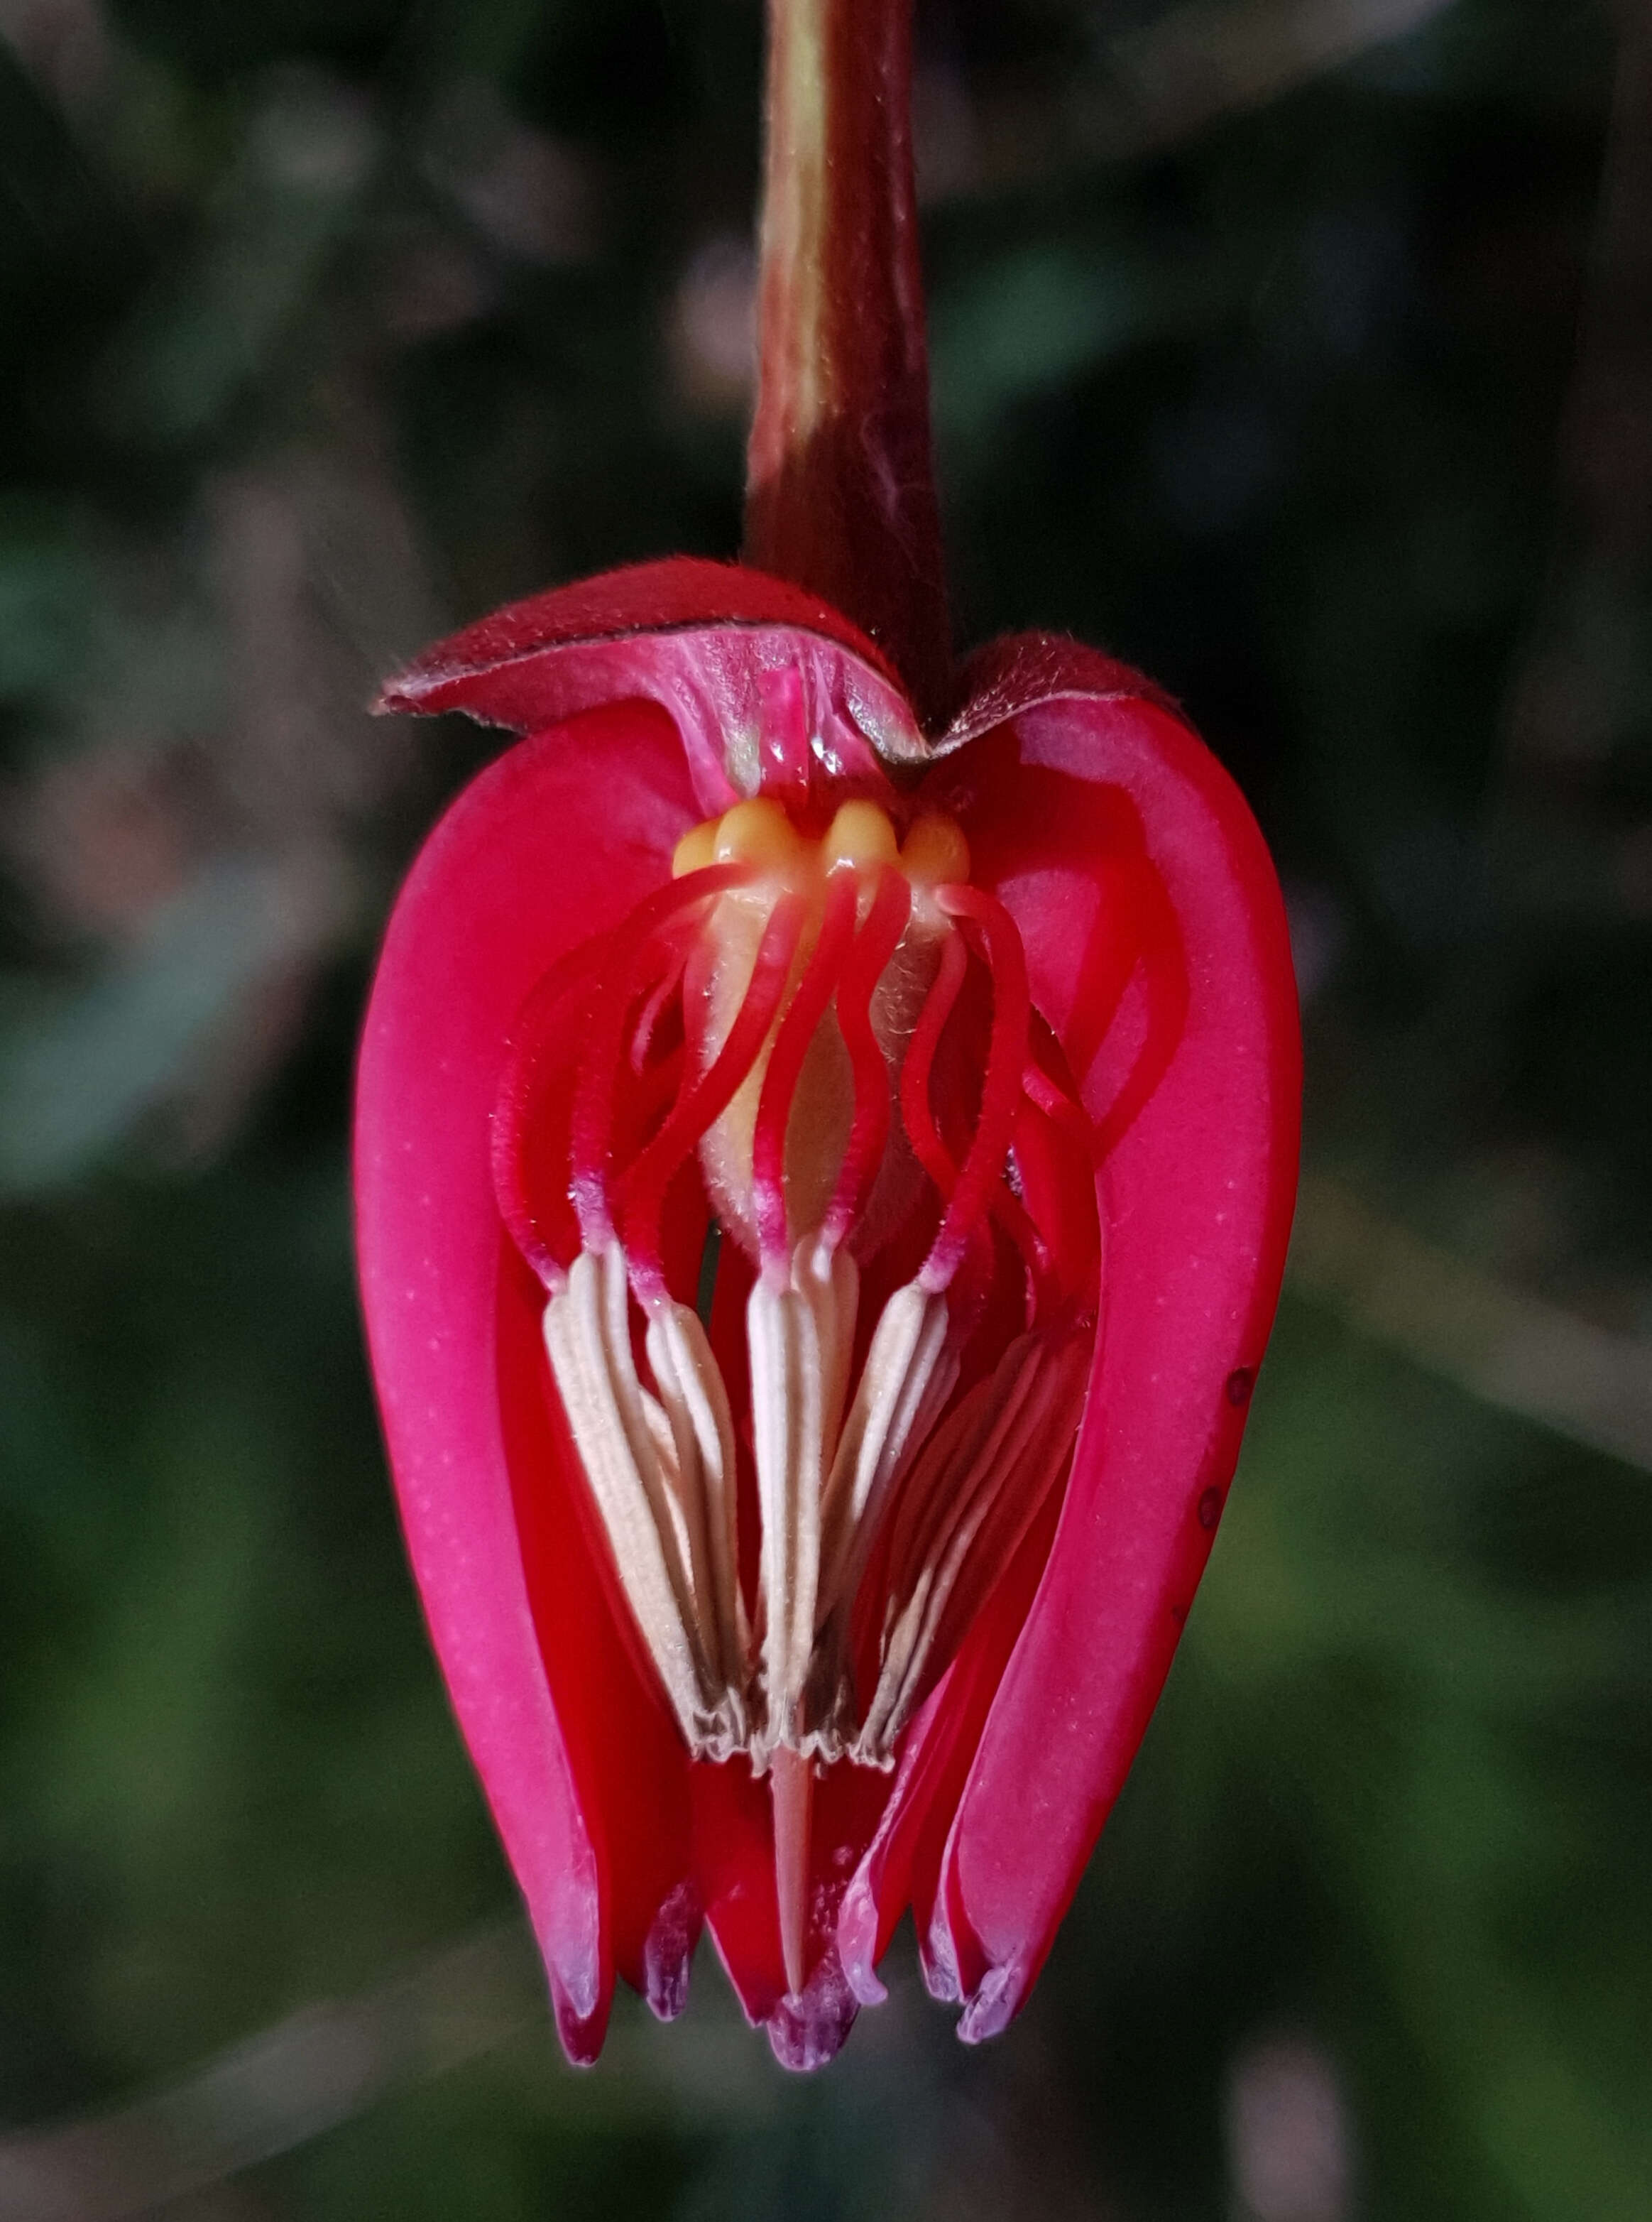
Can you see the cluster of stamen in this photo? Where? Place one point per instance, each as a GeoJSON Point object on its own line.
{"type": "Point", "coordinates": [791, 1035]}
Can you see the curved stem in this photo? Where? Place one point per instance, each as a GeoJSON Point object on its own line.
{"type": "Point", "coordinates": [840, 481]}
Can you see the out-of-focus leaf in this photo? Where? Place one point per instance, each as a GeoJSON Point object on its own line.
{"type": "Point", "coordinates": [47, 590]}
{"type": "Point", "coordinates": [1031, 322]}
{"type": "Point", "coordinates": [81, 1068]}
{"type": "Point", "coordinates": [195, 345]}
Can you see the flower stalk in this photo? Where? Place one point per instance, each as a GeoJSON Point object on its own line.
{"type": "Point", "coordinates": [840, 476]}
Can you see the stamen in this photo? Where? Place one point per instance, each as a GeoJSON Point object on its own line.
{"type": "Point", "coordinates": [916, 1117]}
{"type": "Point", "coordinates": [662, 1480]}
{"type": "Point", "coordinates": [539, 1047]}
{"type": "Point", "coordinates": [875, 946]}
{"type": "Point", "coordinates": [643, 1191]}
{"type": "Point", "coordinates": [632, 951]}
{"type": "Point", "coordinates": [1001, 1090]}
{"type": "Point", "coordinates": [654, 1009]}
{"type": "Point", "coordinates": [985, 1529]}
{"type": "Point", "coordinates": [967, 1450]}
{"type": "Point", "coordinates": [909, 1374]}
{"type": "Point", "coordinates": [798, 1030]}
{"type": "Point", "coordinates": [588, 1338]}
{"type": "Point", "coordinates": [800, 1336]}
{"type": "Point", "coordinates": [696, 1403]}
{"type": "Point", "coordinates": [1050, 1097]}
{"type": "Point", "coordinates": [646, 1098]}
{"type": "Point", "coordinates": [812, 1001]}
{"type": "Point", "coordinates": [1018, 1223]}
{"type": "Point", "coordinates": [967, 1503]}
{"type": "Point", "coordinates": [1053, 1155]}
{"type": "Point", "coordinates": [787, 1431]}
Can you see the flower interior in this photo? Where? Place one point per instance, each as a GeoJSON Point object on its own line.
{"type": "Point", "coordinates": [808, 1185]}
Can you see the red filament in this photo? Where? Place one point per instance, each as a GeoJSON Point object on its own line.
{"type": "Point", "coordinates": [916, 1117]}
{"type": "Point", "coordinates": [1000, 1092]}
{"type": "Point", "coordinates": [598, 1073]}
{"type": "Point", "coordinates": [1023, 1230]}
{"type": "Point", "coordinates": [704, 1099]}
{"type": "Point", "coordinates": [863, 1154]}
{"type": "Point", "coordinates": [1053, 1100]}
{"type": "Point", "coordinates": [798, 1030]}
{"type": "Point", "coordinates": [653, 1010]}
{"type": "Point", "coordinates": [544, 1043]}
{"type": "Point", "coordinates": [637, 963]}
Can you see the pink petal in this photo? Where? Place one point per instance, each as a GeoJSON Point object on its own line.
{"type": "Point", "coordinates": [771, 690]}
{"type": "Point", "coordinates": [1020, 670]}
{"type": "Point", "coordinates": [555, 840]}
{"type": "Point", "coordinates": [902, 1865]}
{"type": "Point", "coordinates": [1102, 822]}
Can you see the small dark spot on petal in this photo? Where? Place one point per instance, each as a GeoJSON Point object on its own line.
{"type": "Point", "coordinates": [1178, 1614]}
{"type": "Point", "coordinates": [1210, 1508]}
{"type": "Point", "coordinates": [1241, 1382]}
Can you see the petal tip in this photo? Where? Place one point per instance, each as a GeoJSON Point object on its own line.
{"type": "Point", "coordinates": [668, 1953]}
{"type": "Point", "coordinates": [938, 1964]}
{"type": "Point", "coordinates": [857, 1943]}
{"type": "Point", "coordinates": [807, 2032]}
{"type": "Point", "coordinates": [997, 2001]}
{"type": "Point", "coordinates": [581, 2034]}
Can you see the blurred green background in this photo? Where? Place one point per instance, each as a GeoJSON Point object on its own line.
{"type": "Point", "coordinates": [1300, 350]}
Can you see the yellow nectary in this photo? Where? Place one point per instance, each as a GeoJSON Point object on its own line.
{"type": "Point", "coordinates": [861, 833]}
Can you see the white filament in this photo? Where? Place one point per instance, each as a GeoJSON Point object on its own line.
{"type": "Point", "coordinates": [956, 1494]}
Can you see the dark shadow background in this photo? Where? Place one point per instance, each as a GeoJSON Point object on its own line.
{"type": "Point", "coordinates": [1300, 350]}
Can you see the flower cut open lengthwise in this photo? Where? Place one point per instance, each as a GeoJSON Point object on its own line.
{"type": "Point", "coordinates": [823, 1190]}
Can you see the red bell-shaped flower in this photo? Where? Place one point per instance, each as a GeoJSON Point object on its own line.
{"type": "Point", "coordinates": [983, 1058]}
{"type": "Point", "coordinates": [822, 1186]}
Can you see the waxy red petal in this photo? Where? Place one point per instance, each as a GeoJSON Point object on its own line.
{"type": "Point", "coordinates": [1021, 670]}
{"type": "Point", "coordinates": [585, 1778]}
{"type": "Point", "coordinates": [1103, 824]}
{"type": "Point", "coordinates": [902, 1864]}
{"type": "Point", "coordinates": [771, 690]}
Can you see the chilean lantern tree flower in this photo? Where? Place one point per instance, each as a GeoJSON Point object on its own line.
{"type": "Point", "coordinates": [826, 1141]}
